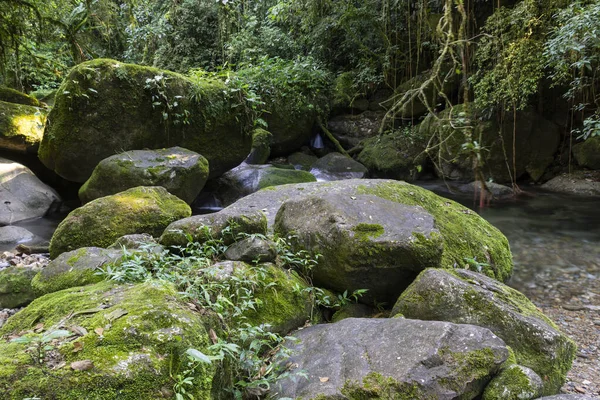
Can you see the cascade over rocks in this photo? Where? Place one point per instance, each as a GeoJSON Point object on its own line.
{"type": "Point", "coordinates": [23, 195]}
{"type": "Point", "coordinates": [392, 359]}
{"type": "Point", "coordinates": [21, 127]}
{"type": "Point", "coordinates": [182, 172]}
{"type": "Point", "coordinates": [100, 222]}
{"type": "Point", "coordinates": [105, 107]}
{"type": "Point", "coordinates": [466, 297]}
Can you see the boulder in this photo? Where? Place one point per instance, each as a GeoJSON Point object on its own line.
{"type": "Point", "coordinates": [21, 127]}
{"type": "Point", "coordinates": [15, 235]}
{"type": "Point", "coordinates": [464, 233]}
{"type": "Point", "coordinates": [587, 153]}
{"type": "Point", "coordinates": [23, 195]}
{"type": "Point", "coordinates": [335, 167]}
{"type": "Point", "coordinates": [252, 249]}
{"type": "Point", "coordinates": [122, 342]}
{"type": "Point", "coordinates": [102, 221]}
{"type": "Point", "coordinates": [15, 286]}
{"type": "Point", "coordinates": [137, 241]}
{"type": "Point", "coordinates": [74, 268]}
{"type": "Point", "coordinates": [282, 299]}
{"type": "Point", "coordinates": [351, 129]}
{"type": "Point", "coordinates": [537, 141]}
{"type": "Point", "coordinates": [391, 359]}
{"type": "Point", "coordinates": [302, 161]}
{"type": "Point", "coordinates": [495, 190]}
{"type": "Point", "coordinates": [261, 147]}
{"type": "Point", "coordinates": [365, 242]}
{"type": "Point", "coordinates": [226, 224]}
{"type": "Point", "coordinates": [353, 310]}
{"type": "Point", "coordinates": [105, 107]}
{"type": "Point", "coordinates": [394, 155]}
{"type": "Point", "coordinates": [246, 179]}
{"type": "Point", "coordinates": [182, 172]}
{"type": "Point", "coordinates": [514, 383]}
{"type": "Point", "coordinates": [466, 297]}
{"type": "Point", "coordinates": [579, 183]}
{"type": "Point", "coordinates": [14, 96]}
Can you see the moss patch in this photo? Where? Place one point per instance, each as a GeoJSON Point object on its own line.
{"type": "Point", "coordinates": [14, 96]}
{"type": "Point", "coordinates": [21, 127]}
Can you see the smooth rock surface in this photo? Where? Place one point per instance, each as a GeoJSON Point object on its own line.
{"type": "Point", "coordinates": [15, 235]}
{"type": "Point", "coordinates": [390, 358]}
{"type": "Point", "coordinates": [23, 195]}
{"type": "Point", "coordinates": [252, 249]}
{"type": "Point", "coordinates": [335, 167]}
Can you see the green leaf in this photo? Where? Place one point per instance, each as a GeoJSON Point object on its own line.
{"type": "Point", "coordinates": [197, 355]}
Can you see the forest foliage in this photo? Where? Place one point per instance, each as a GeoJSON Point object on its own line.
{"type": "Point", "coordinates": [506, 54]}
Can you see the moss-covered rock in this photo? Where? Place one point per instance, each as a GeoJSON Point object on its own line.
{"type": "Point", "coordinates": [21, 127]}
{"type": "Point", "coordinates": [106, 107]}
{"type": "Point", "coordinates": [14, 96]}
{"type": "Point", "coordinates": [134, 336]}
{"type": "Point", "coordinates": [302, 161]}
{"type": "Point", "coordinates": [261, 147]}
{"type": "Point", "coordinates": [73, 268]}
{"type": "Point", "coordinates": [514, 383]}
{"type": "Point", "coordinates": [353, 310]}
{"type": "Point", "coordinates": [466, 297]}
{"type": "Point", "coordinates": [224, 225]}
{"type": "Point", "coordinates": [396, 155]}
{"type": "Point", "coordinates": [102, 221]}
{"type": "Point", "coordinates": [351, 129]}
{"type": "Point", "coordinates": [15, 286]}
{"type": "Point", "coordinates": [180, 171]}
{"type": "Point", "coordinates": [536, 142]}
{"type": "Point", "coordinates": [587, 153]}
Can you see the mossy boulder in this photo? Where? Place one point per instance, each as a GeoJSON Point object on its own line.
{"type": "Point", "coordinates": [14, 96]}
{"type": "Point", "coordinates": [466, 297]}
{"type": "Point", "coordinates": [336, 166]}
{"type": "Point", "coordinates": [536, 142]}
{"type": "Point", "coordinates": [261, 147]}
{"type": "Point", "coordinates": [105, 107]}
{"type": "Point", "coordinates": [102, 221]}
{"type": "Point", "coordinates": [391, 358]}
{"type": "Point", "coordinates": [587, 153]}
{"type": "Point", "coordinates": [464, 233]}
{"type": "Point", "coordinates": [302, 161]}
{"type": "Point", "coordinates": [73, 268]}
{"type": "Point", "coordinates": [225, 224]}
{"type": "Point", "coordinates": [15, 286]}
{"type": "Point", "coordinates": [132, 336]}
{"type": "Point", "coordinates": [23, 195]}
{"type": "Point", "coordinates": [514, 383]}
{"type": "Point", "coordinates": [182, 172]}
{"type": "Point", "coordinates": [365, 242]}
{"type": "Point", "coordinates": [351, 129]}
{"type": "Point", "coordinates": [395, 155]}
{"type": "Point", "coordinates": [21, 127]}
{"type": "Point", "coordinates": [246, 179]}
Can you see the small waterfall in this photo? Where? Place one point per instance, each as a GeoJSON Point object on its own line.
{"type": "Point", "coordinates": [317, 142]}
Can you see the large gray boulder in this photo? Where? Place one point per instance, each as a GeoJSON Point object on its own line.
{"type": "Point", "coordinates": [182, 172]}
{"type": "Point", "coordinates": [466, 297]}
{"type": "Point", "coordinates": [392, 358]}
{"type": "Point", "coordinates": [578, 184]}
{"type": "Point", "coordinates": [23, 195]}
{"type": "Point", "coordinates": [366, 242]}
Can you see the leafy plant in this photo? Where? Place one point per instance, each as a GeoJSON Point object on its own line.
{"type": "Point", "coordinates": [39, 344]}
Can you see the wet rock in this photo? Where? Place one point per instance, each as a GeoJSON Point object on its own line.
{"type": "Point", "coordinates": [102, 221]}
{"type": "Point", "coordinates": [336, 167]}
{"type": "Point", "coordinates": [496, 190]}
{"type": "Point", "coordinates": [15, 235]}
{"type": "Point", "coordinates": [577, 184]}
{"type": "Point", "coordinates": [466, 297]}
{"type": "Point", "coordinates": [182, 172]}
{"type": "Point", "coordinates": [302, 161]}
{"type": "Point", "coordinates": [23, 195]}
{"type": "Point", "coordinates": [390, 358]}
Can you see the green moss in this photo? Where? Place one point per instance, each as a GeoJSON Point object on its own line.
{"type": "Point", "coordinates": [473, 369]}
{"type": "Point", "coordinates": [145, 332]}
{"type": "Point", "coordinates": [279, 176]}
{"type": "Point", "coordinates": [14, 96]}
{"type": "Point", "coordinates": [366, 231]}
{"type": "Point", "coordinates": [464, 233]}
{"type": "Point", "coordinates": [102, 221]}
{"type": "Point", "coordinates": [511, 384]}
{"type": "Point", "coordinates": [377, 386]}
{"type": "Point", "coordinates": [15, 286]}
{"type": "Point", "coordinates": [21, 126]}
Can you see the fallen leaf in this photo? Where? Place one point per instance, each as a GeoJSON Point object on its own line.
{"type": "Point", "coordinates": [38, 328]}
{"type": "Point", "coordinates": [324, 379]}
{"type": "Point", "coordinates": [78, 330]}
{"type": "Point", "coordinates": [99, 331]}
{"type": "Point", "coordinates": [83, 365]}
{"type": "Point", "coordinates": [115, 314]}
{"type": "Point", "coordinates": [77, 346]}
{"type": "Point", "coordinates": [213, 337]}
